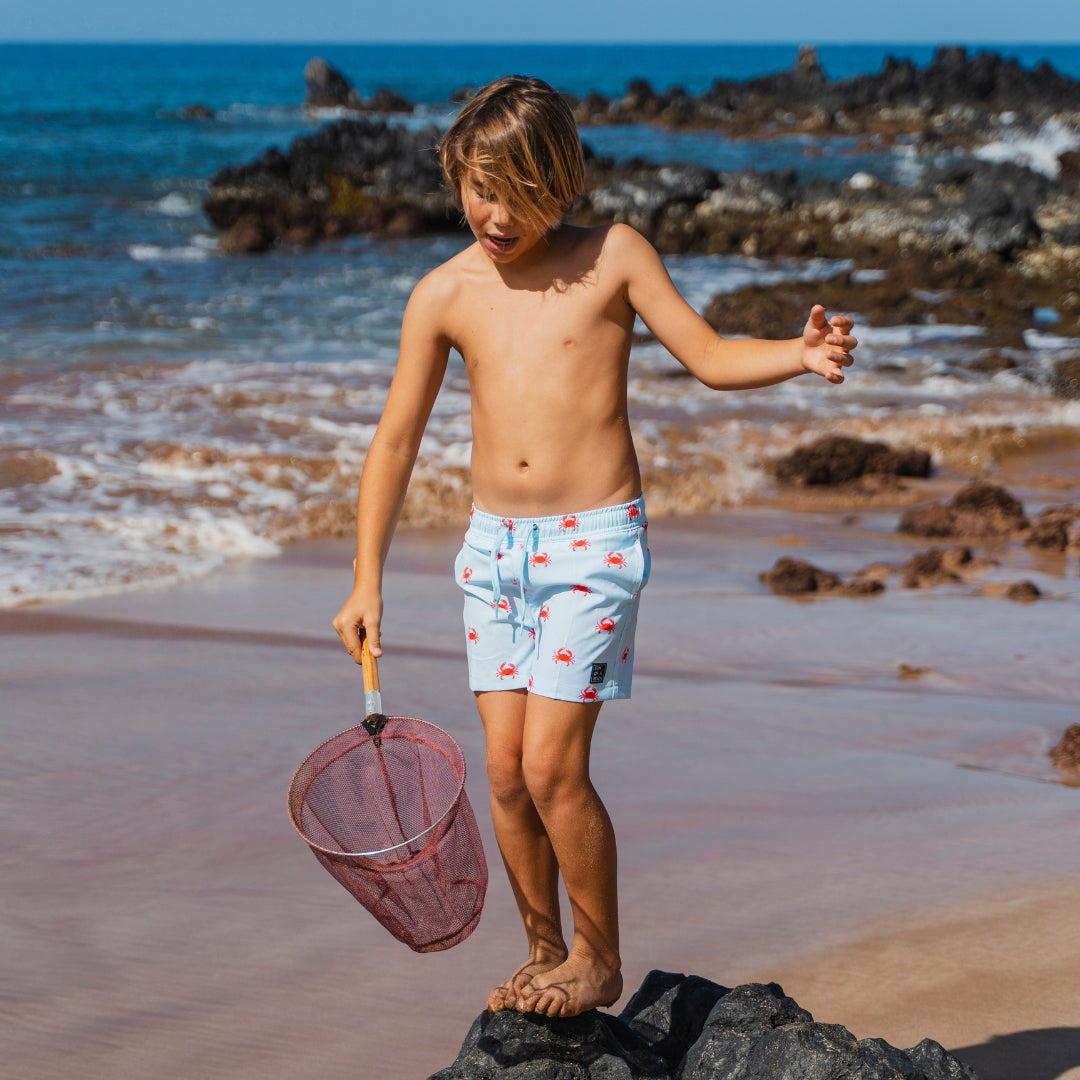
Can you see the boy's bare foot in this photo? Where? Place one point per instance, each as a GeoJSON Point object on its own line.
{"type": "Point", "coordinates": [574, 987]}
{"type": "Point", "coordinates": [507, 994]}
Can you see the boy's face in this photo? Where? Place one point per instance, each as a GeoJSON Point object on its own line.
{"type": "Point", "coordinates": [503, 237]}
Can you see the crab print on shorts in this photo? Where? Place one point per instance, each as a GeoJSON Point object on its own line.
{"type": "Point", "coordinates": [550, 603]}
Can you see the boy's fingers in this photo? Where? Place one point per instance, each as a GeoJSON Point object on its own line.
{"type": "Point", "coordinates": [373, 641]}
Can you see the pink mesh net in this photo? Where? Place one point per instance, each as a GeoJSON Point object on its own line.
{"type": "Point", "coordinates": [388, 817]}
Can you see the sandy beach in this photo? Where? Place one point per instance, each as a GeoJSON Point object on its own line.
{"type": "Point", "coordinates": [897, 852]}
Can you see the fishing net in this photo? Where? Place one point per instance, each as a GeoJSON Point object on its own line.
{"type": "Point", "coordinates": [386, 813]}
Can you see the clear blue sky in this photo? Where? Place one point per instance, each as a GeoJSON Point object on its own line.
{"type": "Point", "coordinates": [908, 21]}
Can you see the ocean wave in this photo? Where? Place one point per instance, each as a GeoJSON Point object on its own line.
{"type": "Point", "coordinates": [176, 204]}
{"type": "Point", "coordinates": [158, 253]}
{"type": "Point", "coordinates": [1038, 150]}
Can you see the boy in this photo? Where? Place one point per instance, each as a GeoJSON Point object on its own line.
{"type": "Point", "coordinates": [555, 555]}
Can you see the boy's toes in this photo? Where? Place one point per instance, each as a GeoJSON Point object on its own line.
{"type": "Point", "coordinates": [550, 1002]}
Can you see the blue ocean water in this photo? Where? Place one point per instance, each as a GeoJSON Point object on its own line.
{"type": "Point", "coordinates": [154, 395]}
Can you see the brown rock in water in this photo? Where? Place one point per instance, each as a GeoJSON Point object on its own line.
{"type": "Point", "coordinates": [250, 235]}
{"type": "Point", "coordinates": [835, 459]}
{"type": "Point", "coordinates": [1052, 529]}
{"type": "Point", "coordinates": [938, 566]}
{"type": "Point", "coordinates": [931, 521]}
{"type": "Point", "coordinates": [987, 510]}
{"type": "Point", "coordinates": [1023, 592]}
{"type": "Point", "coordinates": [909, 673]}
{"type": "Point", "coordinates": [979, 510]}
{"type": "Point", "coordinates": [1066, 755]}
{"type": "Point", "coordinates": [796, 577]}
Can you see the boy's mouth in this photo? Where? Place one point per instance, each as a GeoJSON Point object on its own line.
{"type": "Point", "coordinates": [501, 243]}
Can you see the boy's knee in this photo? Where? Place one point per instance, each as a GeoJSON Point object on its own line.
{"type": "Point", "coordinates": [506, 779]}
{"type": "Point", "coordinates": [545, 777]}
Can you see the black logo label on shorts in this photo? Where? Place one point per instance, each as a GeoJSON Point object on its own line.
{"type": "Point", "coordinates": [599, 671]}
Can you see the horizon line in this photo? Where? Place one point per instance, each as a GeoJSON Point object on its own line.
{"type": "Point", "coordinates": [652, 41]}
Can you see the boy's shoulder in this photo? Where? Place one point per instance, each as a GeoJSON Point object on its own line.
{"type": "Point", "coordinates": [442, 284]}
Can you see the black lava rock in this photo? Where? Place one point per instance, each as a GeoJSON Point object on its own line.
{"type": "Point", "coordinates": [679, 1027]}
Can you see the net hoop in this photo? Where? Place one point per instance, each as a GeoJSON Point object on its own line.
{"type": "Point", "coordinates": [312, 766]}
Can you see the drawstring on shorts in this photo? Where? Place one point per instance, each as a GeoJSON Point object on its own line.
{"type": "Point", "coordinates": [506, 532]}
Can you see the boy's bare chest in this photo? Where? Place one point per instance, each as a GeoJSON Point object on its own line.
{"type": "Point", "coordinates": [526, 328]}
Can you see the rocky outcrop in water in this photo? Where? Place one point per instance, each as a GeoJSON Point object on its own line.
{"type": "Point", "coordinates": [797, 577]}
{"type": "Point", "coordinates": [356, 175]}
{"type": "Point", "coordinates": [979, 511]}
{"type": "Point", "coordinates": [679, 1027]}
{"type": "Point", "coordinates": [838, 459]}
{"type": "Point", "coordinates": [328, 88]}
{"type": "Point", "coordinates": [949, 100]}
{"type": "Point", "coordinates": [972, 242]}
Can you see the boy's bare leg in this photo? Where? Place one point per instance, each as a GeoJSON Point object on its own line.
{"type": "Point", "coordinates": [523, 841]}
{"type": "Point", "coordinates": [556, 741]}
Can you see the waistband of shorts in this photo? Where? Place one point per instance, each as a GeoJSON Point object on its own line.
{"type": "Point", "coordinates": [628, 516]}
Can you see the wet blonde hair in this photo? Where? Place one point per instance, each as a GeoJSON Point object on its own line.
{"type": "Point", "coordinates": [519, 133]}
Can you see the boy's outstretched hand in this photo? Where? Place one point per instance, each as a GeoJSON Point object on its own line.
{"type": "Point", "coordinates": [827, 344]}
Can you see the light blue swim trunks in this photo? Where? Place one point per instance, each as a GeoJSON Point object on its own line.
{"type": "Point", "coordinates": [551, 603]}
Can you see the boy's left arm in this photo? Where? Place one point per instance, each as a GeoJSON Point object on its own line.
{"type": "Point", "coordinates": [721, 363]}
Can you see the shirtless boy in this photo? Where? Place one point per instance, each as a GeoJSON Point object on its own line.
{"type": "Point", "coordinates": [555, 555]}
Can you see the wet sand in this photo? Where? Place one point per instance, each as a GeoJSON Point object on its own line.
{"type": "Point", "coordinates": [898, 853]}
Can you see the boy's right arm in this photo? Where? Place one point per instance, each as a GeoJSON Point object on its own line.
{"type": "Point", "coordinates": [422, 358]}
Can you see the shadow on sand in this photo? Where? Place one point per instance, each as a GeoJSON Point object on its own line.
{"type": "Point", "coordinates": [1041, 1054]}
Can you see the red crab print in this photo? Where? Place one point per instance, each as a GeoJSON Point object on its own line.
{"type": "Point", "coordinates": [632, 512]}
{"type": "Point", "coordinates": [590, 693]}
{"type": "Point", "coordinates": [568, 523]}
{"type": "Point", "coordinates": [580, 545]}
{"type": "Point", "coordinates": [544, 612]}
{"type": "Point", "coordinates": [502, 605]}
{"type": "Point", "coordinates": [581, 590]}
{"type": "Point", "coordinates": [531, 631]}
{"type": "Point", "coordinates": [606, 625]}
{"type": "Point", "coordinates": [563, 656]}
{"type": "Point", "coordinates": [473, 636]}
{"type": "Point", "coordinates": [466, 575]}
{"type": "Point", "coordinates": [616, 560]}
{"type": "Point", "coordinates": [625, 655]}
{"type": "Point", "coordinates": [509, 523]}
{"type": "Point", "coordinates": [472, 511]}
{"type": "Point", "coordinates": [507, 670]}
{"type": "Point", "coordinates": [530, 682]}
{"type": "Point", "coordinates": [539, 558]}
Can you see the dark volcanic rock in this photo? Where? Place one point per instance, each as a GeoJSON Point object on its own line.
{"type": "Point", "coordinates": [686, 1028]}
{"type": "Point", "coordinates": [836, 459]}
{"type": "Point", "coordinates": [327, 88]}
{"type": "Point", "coordinates": [979, 510]}
{"type": "Point", "coordinates": [357, 175]}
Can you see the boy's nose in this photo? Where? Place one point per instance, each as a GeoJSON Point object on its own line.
{"type": "Point", "coordinates": [500, 215]}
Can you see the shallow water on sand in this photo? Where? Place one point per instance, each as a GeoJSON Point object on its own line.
{"type": "Point", "coordinates": [776, 786]}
